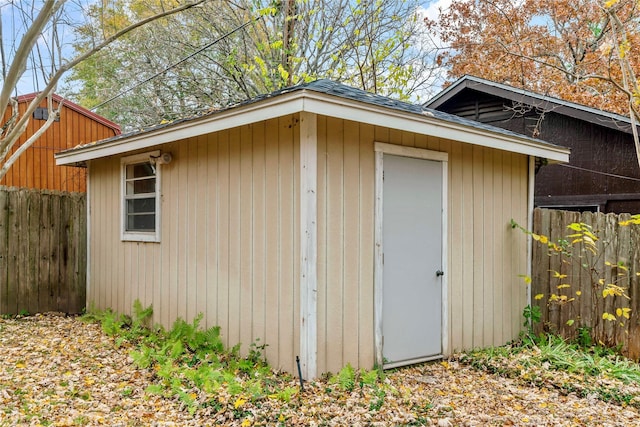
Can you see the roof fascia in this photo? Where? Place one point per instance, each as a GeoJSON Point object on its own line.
{"type": "Point", "coordinates": [233, 117]}
{"type": "Point", "coordinates": [323, 104]}
{"type": "Point", "coordinates": [424, 124]}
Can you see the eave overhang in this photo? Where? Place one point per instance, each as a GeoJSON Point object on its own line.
{"type": "Point", "coordinates": [321, 104]}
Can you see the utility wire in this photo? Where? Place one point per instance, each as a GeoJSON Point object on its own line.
{"type": "Point", "coordinates": [612, 175]}
{"type": "Point", "coordinates": [186, 58]}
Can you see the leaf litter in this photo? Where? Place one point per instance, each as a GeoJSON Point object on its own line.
{"type": "Point", "coordinates": [60, 371]}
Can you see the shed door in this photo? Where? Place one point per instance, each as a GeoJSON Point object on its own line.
{"type": "Point", "coordinates": [412, 260]}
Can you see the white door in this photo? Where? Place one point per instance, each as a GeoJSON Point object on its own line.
{"type": "Point", "coordinates": [412, 232]}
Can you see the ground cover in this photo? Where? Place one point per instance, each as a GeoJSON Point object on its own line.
{"type": "Point", "coordinates": [58, 370]}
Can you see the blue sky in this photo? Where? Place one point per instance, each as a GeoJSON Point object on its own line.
{"type": "Point", "coordinates": [13, 28]}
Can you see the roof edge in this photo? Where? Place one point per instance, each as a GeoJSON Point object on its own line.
{"type": "Point", "coordinates": [569, 108]}
{"type": "Point", "coordinates": [319, 103]}
{"type": "Point", "coordinates": [84, 111]}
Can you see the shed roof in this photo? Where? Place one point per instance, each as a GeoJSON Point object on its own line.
{"type": "Point", "coordinates": [542, 102]}
{"type": "Point", "coordinates": [324, 97]}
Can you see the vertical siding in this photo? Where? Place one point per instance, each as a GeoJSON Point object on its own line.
{"type": "Point", "coordinates": [228, 238]}
{"type": "Point", "coordinates": [345, 243]}
{"type": "Point", "coordinates": [486, 189]}
{"type": "Point", "coordinates": [230, 242]}
{"type": "Point", "coordinates": [36, 168]}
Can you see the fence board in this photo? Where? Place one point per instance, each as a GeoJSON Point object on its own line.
{"type": "Point", "coordinates": [45, 291]}
{"type": "Point", "coordinates": [616, 262]}
{"type": "Point", "coordinates": [12, 253]}
{"type": "Point", "coordinates": [33, 243]}
{"type": "Point", "coordinates": [633, 337]}
{"type": "Point", "coordinates": [4, 253]}
{"type": "Point", "coordinates": [42, 251]}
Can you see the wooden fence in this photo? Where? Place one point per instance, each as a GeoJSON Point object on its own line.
{"type": "Point", "coordinates": [42, 251]}
{"type": "Point", "coordinates": [579, 279]}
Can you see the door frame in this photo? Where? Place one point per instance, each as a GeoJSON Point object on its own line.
{"type": "Point", "coordinates": [381, 149]}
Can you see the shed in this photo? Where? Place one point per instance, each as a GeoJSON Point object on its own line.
{"type": "Point", "coordinates": [603, 174]}
{"type": "Point", "coordinates": [36, 167]}
{"type": "Point", "coordinates": [322, 220]}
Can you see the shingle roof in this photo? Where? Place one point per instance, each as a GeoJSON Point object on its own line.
{"type": "Point", "coordinates": [332, 88]}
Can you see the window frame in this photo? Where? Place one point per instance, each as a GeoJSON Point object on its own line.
{"type": "Point", "coordinates": [139, 236]}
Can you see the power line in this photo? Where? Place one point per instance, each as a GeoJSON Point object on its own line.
{"type": "Point", "coordinates": [612, 175]}
{"type": "Point", "coordinates": [186, 58]}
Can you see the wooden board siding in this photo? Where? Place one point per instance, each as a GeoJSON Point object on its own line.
{"type": "Point", "coordinates": [486, 189]}
{"type": "Point", "coordinates": [229, 243]}
{"type": "Point", "coordinates": [36, 168]}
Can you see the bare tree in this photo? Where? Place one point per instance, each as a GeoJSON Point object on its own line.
{"type": "Point", "coordinates": [41, 46]}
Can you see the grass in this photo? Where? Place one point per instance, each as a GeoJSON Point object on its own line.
{"type": "Point", "coordinates": [568, 366]}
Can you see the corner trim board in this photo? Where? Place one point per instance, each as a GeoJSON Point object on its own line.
{"type": "Point", "coordinates": [308, 244]}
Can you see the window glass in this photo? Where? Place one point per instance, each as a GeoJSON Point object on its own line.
{"type": "Point", "coordinates": [140, 197]}
{"type": "Point", "coordinates": [141, 186]}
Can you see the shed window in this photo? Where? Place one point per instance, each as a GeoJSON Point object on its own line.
{"type": "Point", "coordinates": [140, 198]}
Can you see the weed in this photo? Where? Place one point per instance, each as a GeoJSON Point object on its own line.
{"type": "Point", "coordinates": [257, 352]}
{"type": "Point", "coordinates": [584, 337]}
{"type": "Point", "coordinates": [191, 363]}
{"type": "Point", "coordinates": [532, 315]}
{"type": "Point", "coordinates": [345, 379]}
{"type": "Point", "coordinates": [81, 421]}
{"type": "Point", "coordinates": [378, 401]}
{"type": "Point", "coordinates": [286, 394]}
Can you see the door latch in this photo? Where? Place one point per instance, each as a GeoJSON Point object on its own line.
{"type": "Point", "coordinates": [439, 273]}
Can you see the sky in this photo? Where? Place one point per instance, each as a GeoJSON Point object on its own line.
{"type": "Point", "coordinates": [431, 7]}
{"type": "Point", "coordinates": [13, 28]}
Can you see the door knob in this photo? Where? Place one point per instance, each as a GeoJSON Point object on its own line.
{"type": "Point", "coordinates": [439, 273]}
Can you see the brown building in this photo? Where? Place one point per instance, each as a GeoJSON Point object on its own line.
{"type": "Point", "coordinates": [602, 174]}
{"type": "Point", "coordinates": [36, 167]}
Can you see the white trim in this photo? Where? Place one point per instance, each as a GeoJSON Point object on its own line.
{"type": "Point", "coordinates": [139, 236]}
{"type": "Point", "coordinates": [377, 272]}
{"type": "Point", "coordinates": [308, 245]}
{"type": "Point", "coordinates": [321, 104]}
{"type": "Point", "coordinates": [420, 153]}
{"type": "Point", "coordinates": [416, 153]}
{"type": "Point", "coordinates": [445, 255]}
{"type": "Point", "coordinates": [88, 238]}
{"type": "Point", "coordinates": [530, 207]}
{"type": "Point", "coordinates": [412, 361]}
